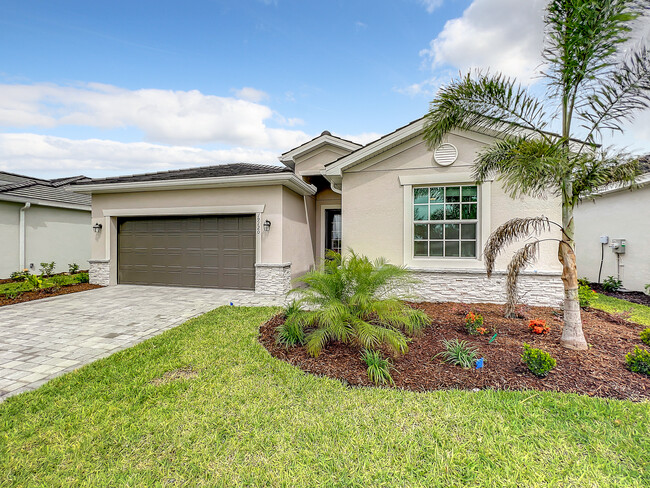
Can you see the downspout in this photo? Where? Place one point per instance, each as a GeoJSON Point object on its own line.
{"type": "Point", "coordinates": [22, 236]}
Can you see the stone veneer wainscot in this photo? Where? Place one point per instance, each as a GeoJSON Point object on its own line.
{"type": "Point", "coordinates": [99, 272]}
{"type": "Point", "coordinates": [272, 279]}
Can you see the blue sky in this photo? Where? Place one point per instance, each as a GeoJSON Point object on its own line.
{"type": "Point", "coordinates": [117, 87]}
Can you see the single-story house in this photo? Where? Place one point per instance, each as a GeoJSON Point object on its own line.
{"type": "Point", "coordinates": [257, 227]}
{"type": "Point", "coordinates": [616, 214]}
{"type": "Point", "coordinates": [42, 222]}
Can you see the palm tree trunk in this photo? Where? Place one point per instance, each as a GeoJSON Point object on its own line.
{"type": "Point", "coordinates": [572, 335]}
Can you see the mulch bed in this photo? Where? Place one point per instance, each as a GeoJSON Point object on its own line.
{"type": "Point", "coordinates": [599, 371]}
{"type": "Point", "coordinates": [631, 296]}
{"type": "Point", "coordinates": [28, 296]}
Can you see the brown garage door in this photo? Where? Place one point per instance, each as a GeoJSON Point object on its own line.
{"type": "Point", "coordinates": [205, 252]}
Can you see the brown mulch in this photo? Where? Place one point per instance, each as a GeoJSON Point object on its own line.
{"type": "Point", "coordinates": [599, 371]}
{"type": "Point", "coordinates": [28, 296]}
{"type": "Point", "coordinates": [631, 296]}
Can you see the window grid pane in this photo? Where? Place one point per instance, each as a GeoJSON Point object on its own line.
{"type": "Point", "coordinates": [445, 221]}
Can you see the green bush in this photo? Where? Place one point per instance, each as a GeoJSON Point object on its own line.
{"type": "Point", "coordinates": [586, 295]}
{"type": "Point", "coordinates": [59, 280]}
{"type": "Point", "coordinates": [82, 278]}
{"type": "Point", "coordinates": [378, 367]}
{"type": "Point", "coordinates": [539, 362]}
{"type": "Point", "coordinates": [645, 336]}
{"type": "Point", "coordinates": [583, 281]}
{"type": "Point", "coordinates": [19, 275]}
{"type": "Point", "coordinates": [73, 268]}
{"type": "Point", "coordinates": [292, 331]}
{"type": "Point", "coordinates": [12, 294]}
{"type": "Point", "coordinates": [47, 268]}
{"type": "Point", "coordinates": [611, 284]}
{"type": "Point", "coordinates": [34, 282]}
{"type": "Point", "coordinates": [638, 361]}
{"type": "Point", "coordinates": [459, 353]}
{"type": "Point", "coordinates": [354, 300]}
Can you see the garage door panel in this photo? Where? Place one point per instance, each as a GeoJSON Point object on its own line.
{"type": "Point", "coordinates": [211, 251]}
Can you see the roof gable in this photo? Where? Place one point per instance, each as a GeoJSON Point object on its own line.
{"type": "Point", "coordinates": [325, 139]}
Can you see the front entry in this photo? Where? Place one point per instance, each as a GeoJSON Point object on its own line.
{"type": "Point", "coordinates": [333, 230]}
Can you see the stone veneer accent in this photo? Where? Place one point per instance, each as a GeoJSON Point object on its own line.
{"type": "Point", "coordinates": [272, 279]}
{"type": "Point", "coordinates": [542, 289]}
{"type": "Point", "coordinates": [100, 271]}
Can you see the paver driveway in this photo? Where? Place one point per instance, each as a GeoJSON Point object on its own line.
{"type": "Point", "coordinates": [46, 338]}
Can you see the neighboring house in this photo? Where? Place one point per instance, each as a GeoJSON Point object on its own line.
{"type": "Point", "coordinates": [42, 222]}
{"type": "Point", "coordinates": [617, 213]}
{"type": "Point", "coordinates": [256, 227]}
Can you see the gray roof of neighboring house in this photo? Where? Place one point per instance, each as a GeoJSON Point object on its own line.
{"type": "Point", "coordinates": [22, 188]}
{"type": "Point", "coordinates": [644, 163]}
{"type": "Point", "coordinates": [220, 170]}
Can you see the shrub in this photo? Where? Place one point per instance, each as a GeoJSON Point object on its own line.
{"type": "Point", "coordinates": [474, 324]}
{"type": "Point", "coordinates": [611, 284]}
{"type": "Point", "coordinates": [538, 326]}
{"type": "Point", "coordinates": [583, 281]}
{"type": "Point", "coordinates": [82, 278]}
{"type": "Point", "coordinates": [73, 268]}
{"type": "Point", "coordinates": [59, 280]}
{"type": "Point", "coordinates": [47, 268]}
{"type": "Point", "coordinates": [292, 331]}
{"type": "Point", "coordinates": [539, 362]}
{"type": "Point", "coordinates": [459, 353]}
{"type": "Point", "coordinates": [638, 361]}
{"type": "Point", "coordinates": [34, 282]}
{"type": "Point", "coordinates": [19, 275]}
{"type": "Point", "coordinates": [12, 294]}
{"type": "Point", "coordinates": [378, 367]}
{"type": "Point", "coordinates": [355, 300]}
{"type": "Point", "coordinates": [645, 336]}
{"type": "Point", "coordinates": [586, 295]}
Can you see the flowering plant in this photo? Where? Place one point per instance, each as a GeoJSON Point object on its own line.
{"type": "Point", "coordinates": [538, 326]}
{"type": "Point", "coordinates": [474, 324]}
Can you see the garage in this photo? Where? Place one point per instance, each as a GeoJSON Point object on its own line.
{"type": "Point", "coordinates": [194, 251]}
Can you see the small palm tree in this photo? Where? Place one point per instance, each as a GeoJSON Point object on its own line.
{"type": "Point", "coordinates": [352, 299]}
{"type": "Point", "coordinates": [593, 83]}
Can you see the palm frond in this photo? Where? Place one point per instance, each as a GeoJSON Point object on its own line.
{"type": "Point", "coordinates": [316, 340]}
{"type": "Point", "coordinates": [522, 258]}
{"type": "Point", "coordinates": [485, 103]}
{"type": "Point", "coordinates": [510, 231]}
{"type": "Point", "coordinates": [593, 173]}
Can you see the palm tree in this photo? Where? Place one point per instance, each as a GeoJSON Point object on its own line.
{"type": "Point", "coordinates": [595, 80]}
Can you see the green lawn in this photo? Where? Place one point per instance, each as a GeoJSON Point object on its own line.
{"type": "Point", "coordinates": [20, 286]}
{"type": "Point", "coordinates": [639, 313]}
{"type": "Point", "coordinates": [248, 419]}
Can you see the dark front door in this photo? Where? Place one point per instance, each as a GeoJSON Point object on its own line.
{"type": "Point", "coordinates": [333, 230]}
{"type": "Point", "coordinates": [201, 251]}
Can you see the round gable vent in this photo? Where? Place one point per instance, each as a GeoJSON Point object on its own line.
{"type": "Point", "coordinates": [445, 154]}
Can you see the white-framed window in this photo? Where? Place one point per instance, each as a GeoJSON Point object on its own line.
{"type": "Point", "coordinates": [445, 221]}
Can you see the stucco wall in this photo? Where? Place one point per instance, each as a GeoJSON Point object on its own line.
{"type": "Point", "coordinates": [296, 242]}
{"type": "Point", "coordinates": [9, 237]}
{"type": "Point", "coordinates": [626, 215]}
{"type": "Point", "coordinates": [51, 234]}
{"type": "Point", "coordinates": [271, 196]}
{"type": "Point", "coordinates": [373, 205]}
{"type": "Point", "coordinates": [314, 161]}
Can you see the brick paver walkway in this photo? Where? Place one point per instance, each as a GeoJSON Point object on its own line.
{"type": "Point", "coordinates": [42, 339]}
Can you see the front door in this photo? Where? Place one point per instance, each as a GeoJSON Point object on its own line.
{"type": "Point", "coordinates": [333, 230]}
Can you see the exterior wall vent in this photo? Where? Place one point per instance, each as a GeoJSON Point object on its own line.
{"type": "Point", "coordinates": [445, 154]}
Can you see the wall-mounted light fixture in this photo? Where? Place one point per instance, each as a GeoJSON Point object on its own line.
{"type": "Point", "coordinates": [97, 227]}
{"type": "Point", "coordinates": [267, 225]}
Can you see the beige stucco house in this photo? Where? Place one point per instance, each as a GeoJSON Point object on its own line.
{"type": "Point", "coordinates": [616, 214]}
{"type": "Point", "coordinates": [42, 222]}
{"type": "Point", "coordinates": [258, 227]}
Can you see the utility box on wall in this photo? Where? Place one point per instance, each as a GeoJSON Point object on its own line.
{"type": "Point", "coordinates": [618, 246]}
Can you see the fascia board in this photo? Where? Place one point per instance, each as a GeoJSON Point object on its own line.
{"type": "Point", "coordinates": [641, 181]}
{"type": "Point", "coordinates": [314, 144]}
{"type": "Point", "coordinates": [289, 180]}
{"type": "Point", "coordinates": [45, 203]}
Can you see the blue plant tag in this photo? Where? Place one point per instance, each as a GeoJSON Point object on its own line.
{"type": "Point", "coordinates": [231, 304]}
{"type": "Point", "coordinates": [479, 363]}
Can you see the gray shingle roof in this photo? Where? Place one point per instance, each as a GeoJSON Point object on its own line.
{"type": "Point", "coordinates": [221, 170]}
{"type": "Point", "coordinates": [28, 189]}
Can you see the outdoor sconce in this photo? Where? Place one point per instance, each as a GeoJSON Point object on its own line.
{"type": "Point", "coordinates": [97, 227]}
{"type": "Point", "coordinates": [267, 225]}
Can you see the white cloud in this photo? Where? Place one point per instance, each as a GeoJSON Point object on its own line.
{"type": "Point", "coordinates": [503, 35]}
{"type": "Point", "coordinates": [431, 5]}
{"type": "Point", "coordinates": [363, 138]}
{"type": "Point", "coordinates": [426, 88]}
{"type": "Point", "coordinates": [251, 94]}
{"type": "Point", "coordinates": [38, 154]}
{"type": "Point", "coordinates": [171, 117]}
